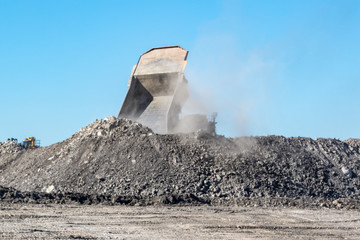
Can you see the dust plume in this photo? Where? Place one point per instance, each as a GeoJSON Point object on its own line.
{"type": "Point", "coordinates": [235, 85]}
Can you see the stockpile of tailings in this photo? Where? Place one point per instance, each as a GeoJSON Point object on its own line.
{"type": "Point", "coordinates": [9, 147]}
{"type": "Point", "coordinates": [118, 157]}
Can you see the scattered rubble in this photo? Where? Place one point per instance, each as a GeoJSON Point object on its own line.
{"type": "Point", "coordinates": [121, 159]}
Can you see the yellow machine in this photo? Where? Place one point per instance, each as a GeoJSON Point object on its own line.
{"type": "Point", "coordinates": [31, 143]}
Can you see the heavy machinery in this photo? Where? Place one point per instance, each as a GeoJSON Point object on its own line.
{"type": "Point", "coordinates": [31, 143]}
{"type": "Point", "coordinates": [158, 91]}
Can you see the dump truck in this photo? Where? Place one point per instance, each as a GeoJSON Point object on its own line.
{"type": "Point", "coordinates": [158, 90]}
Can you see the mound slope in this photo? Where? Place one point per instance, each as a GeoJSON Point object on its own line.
{"type": "Point", "coordinates": [119, 157]}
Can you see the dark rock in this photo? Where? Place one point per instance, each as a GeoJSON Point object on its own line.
{"type": "Point", "coordinates": [119, 161]}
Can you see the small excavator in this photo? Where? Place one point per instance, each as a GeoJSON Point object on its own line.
{"type": "Point", "coordinates": [31, 143]}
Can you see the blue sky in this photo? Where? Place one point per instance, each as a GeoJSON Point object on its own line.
{"type": "Point", "coordinates": [287, 68]}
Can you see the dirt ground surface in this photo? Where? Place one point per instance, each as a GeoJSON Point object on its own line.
{"type": "Point", "coordinates": [40, 221]}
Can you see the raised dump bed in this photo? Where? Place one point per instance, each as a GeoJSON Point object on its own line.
{"type": "Point", "coordinates": [157, 89]}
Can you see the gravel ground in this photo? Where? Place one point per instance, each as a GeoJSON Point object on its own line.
{"type": "Point", "coordinates": [29, 221]}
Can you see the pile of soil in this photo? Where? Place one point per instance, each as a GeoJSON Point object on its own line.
{"type": "Point", "coordinates": [9, 147]}
{"type": "Point", "coordinates": [121, 159]}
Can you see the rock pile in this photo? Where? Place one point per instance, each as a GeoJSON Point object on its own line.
{"type": "Point", "coordinates": [9, 147]}
{"type": "Point", "coordinates": [11, 195]}
{"type": "Point", "coordinates": [119, 158]}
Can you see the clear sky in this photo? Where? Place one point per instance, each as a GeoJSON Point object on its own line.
{"type": "Point", "coordinates": [287, 68]}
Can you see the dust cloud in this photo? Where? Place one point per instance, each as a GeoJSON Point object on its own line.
{"type": "Point", "coordinates": [236, 86]}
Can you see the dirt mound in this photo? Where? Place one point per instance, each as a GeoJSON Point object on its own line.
{"type": "Point", "coordinates": [9, 147]}
{"type": "Point", "coordinates": [118, 157]}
